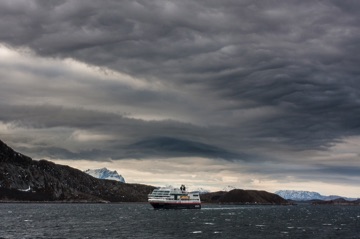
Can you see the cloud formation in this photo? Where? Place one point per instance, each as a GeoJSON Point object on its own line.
{"type": "Point", "coordinates": [247, 81]}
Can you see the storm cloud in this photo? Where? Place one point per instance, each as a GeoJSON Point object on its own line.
{"type": "Point", "coordinates": [247, 81]}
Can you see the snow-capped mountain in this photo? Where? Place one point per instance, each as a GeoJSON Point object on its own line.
{"type": "Point", "coordinates": [104, 173]}
{"type": "Point", "coordinates": [306, 195]}
{"type": "Point", "coordinates": [228, 188]}
{"type": "Point", "coordinates": [299, 195]}
{"type": "Point", "coordinates": [201, 190]}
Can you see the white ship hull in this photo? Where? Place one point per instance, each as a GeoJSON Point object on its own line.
{"type": "Point", "coordinates": [163, 204]}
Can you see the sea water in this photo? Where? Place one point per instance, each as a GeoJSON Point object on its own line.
{"type": "Point", "coordinates": [32, 220]}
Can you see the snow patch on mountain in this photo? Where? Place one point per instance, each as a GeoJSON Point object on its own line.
{"type": "Point", "coordinates": [104, 173]}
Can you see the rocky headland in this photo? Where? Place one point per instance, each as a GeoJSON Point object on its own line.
{"type": "Point", "coordinates": [240, 196]}
{"type": "Point", "coordinates": [24, 179]}
{"type": "Point", "coordinates": [338, 201]}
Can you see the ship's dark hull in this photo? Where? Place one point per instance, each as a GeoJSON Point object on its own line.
{"type": "Point", "coordinates": [162, 205]}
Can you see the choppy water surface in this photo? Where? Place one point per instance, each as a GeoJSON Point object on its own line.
{"type": "Point", "coordinates": [141, 221]}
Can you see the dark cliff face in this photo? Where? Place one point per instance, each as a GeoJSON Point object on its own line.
{"type": "Point", "coordinates": [239, 196]}
{"type": "Point", "coordinates": [22, 178]}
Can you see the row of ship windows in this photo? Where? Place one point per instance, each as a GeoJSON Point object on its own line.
{"type": "Point", "coordinates": [159, 195]}
{"type": "Point", "coordinates": [167, 193]}
{"type": "Point", "coordinates": [179, 198]}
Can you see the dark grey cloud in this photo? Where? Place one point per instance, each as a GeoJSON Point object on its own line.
{"type": "Point", "coordinates": [293, 56]}
{"type": "Point", "coordinates": [173, 147]}
{"type": "Point", "coordinates": [251, 80]}
{"type": "Point", "coordinates": [139, 138]}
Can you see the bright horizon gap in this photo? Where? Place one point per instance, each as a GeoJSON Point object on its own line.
{"type": "Point", "coordinates": [159, 179]}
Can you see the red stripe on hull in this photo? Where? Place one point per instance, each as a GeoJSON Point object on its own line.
{"type": "Point", "coordinates": [162, 205]}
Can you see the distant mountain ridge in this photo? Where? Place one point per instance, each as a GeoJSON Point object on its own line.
{"type": "Point", "coordinates": [228, 188]}
{"type": "Point", "coordinates": [307, 196]}
{"type": "Point", "coordinates": [104, 173]}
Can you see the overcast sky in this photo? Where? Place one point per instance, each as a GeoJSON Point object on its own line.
{"type": "Point", "coordinates": [254, 94]}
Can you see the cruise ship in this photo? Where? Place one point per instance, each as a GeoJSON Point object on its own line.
{"type": "Point", "coordinates": [174, 198]}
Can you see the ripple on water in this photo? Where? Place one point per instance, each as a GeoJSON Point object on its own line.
{"type": "Point", "coordinates": [209, 223]}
